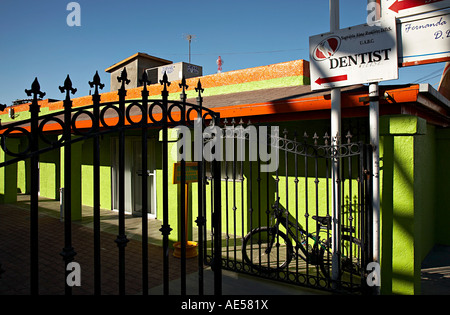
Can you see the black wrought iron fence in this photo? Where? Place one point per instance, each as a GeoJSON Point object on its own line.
{"type": "Point", "coordinates": [269, 205]}
{"type": "Point", "coordinates": [277, 222]}
{"type": "Point", "coordinates": [94, 121]}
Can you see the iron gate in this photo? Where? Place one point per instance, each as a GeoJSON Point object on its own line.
{"type": "Point", "coordinates": [95, 122]}
{"type": "Point", "coordinates": [239, 192]}
{"type": "Point", "coordinates": [298, 194]}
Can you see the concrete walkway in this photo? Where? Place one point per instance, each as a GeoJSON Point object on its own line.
{"type": "Point", "coordinates": [14, 257]}
{"type": "Point", "coordinates": [436, 271]}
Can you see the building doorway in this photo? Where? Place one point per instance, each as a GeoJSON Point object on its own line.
{"type": "Point", "coordinates": [133, 176]}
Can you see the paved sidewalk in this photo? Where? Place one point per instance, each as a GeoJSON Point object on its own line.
{"type": "Point", "coordinates": [436, 272]}
{"type": "Point", "coordinates": [15, 256]}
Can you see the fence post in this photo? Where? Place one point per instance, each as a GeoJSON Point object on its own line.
{"type": "Point", "coordinates": [96, 180]}
{"type": "Point", "coordinates": [217, 222]}
{"type": "Point", "coordinates": [34, 202]}
{"type": "Point", "coordinates": [144, 167]}
{"type": "Point", "coordinates": [165, 228]}
{"type": "Point", "coordinates": [200, 187]}
{"type": "Point", "coordinates": [68, 252]}
{"type": "Point", "coordinates": [121, 239]}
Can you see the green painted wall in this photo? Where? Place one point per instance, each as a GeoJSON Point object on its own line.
{"type": "Point", "coordinates": [408, 200]}
{"type": "Point", "coordinates": [414, 199]}
{"type": "Point", "coordinates": [76, 180]}
{"type": "Point", "coordinates": [49, 171]}
{"type": "Point", "coordinates": [8, 174]}
{"type": "Point", "coordinates": [105, 172]}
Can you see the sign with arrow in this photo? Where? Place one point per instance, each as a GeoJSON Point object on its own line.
{"type": "Point", "coordinates": [354, 55]}
{"type": "Point", "coordinates": [402, 8]}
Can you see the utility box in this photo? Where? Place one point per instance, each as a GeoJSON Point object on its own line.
{"type": "Point", "coordinates": [135, 65]}
{"type": "Point", "coordinates": [174, 71]}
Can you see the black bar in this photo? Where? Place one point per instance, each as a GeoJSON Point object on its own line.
{"type": "Point", "coordinates": [286, 177]}
{"type": "Point", "coordinates": [34, 201]}
{"type": "Point", "coordinates": [68, 252]}
{"type": "Point", "coordinates": [306, 203]}
{"type": "Point", "coordinates": [227, 223]}
{"type": "Point", "coordinates": [34, 222]}
{"type": "Point", "coordinates": [183, 217]}
{"type": "Point", "coordinates": [96, 178]}
{"type": "Point", "coordinates": [165, 229]}
{"type": "Point", "coordinates": [250, 194]}
{"type": "Point", "coordinates": [327, 168]}
{"type": "Point", "coordinates": [217, 221]}
{"type": "Point", "coordinates": [144, 167]}
{"type": "Point", "coordinates": [234, 192]}
{"type": "Point", "coordinates": [121, 239]}
{"type": "Point", "coordinates": [296, 200]}
{"type": "Point", "coordinates": [200, 193]}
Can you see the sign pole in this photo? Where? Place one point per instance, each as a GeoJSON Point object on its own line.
{"type": "Point", "coordinates": [335, 132]}
{"type": "Point", "coordinates": [374, 123]}
{"type": "Point", "coordinates": [190, 175]}
{"type": "Point", "coordinates": [374, 140]}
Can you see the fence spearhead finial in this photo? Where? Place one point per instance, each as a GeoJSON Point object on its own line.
{"type": "Point", "coordinates": [35, 90]}
{"type": "Point", "coordinates": [199, 88]}
{"type": "Point", "coordinates": [165, 80]}
{"type": "Point", "coordinates": [123, 78]}
{"type": "Point", "coordinates": [326, 137]}
{"type": "Point", "coordinates": [183, 84]}
{"type": "Point", "coordinates": [144, 79]}
{"type": "Point", "coordinates": [184, 87]}
{"type": "Point", "coordinates": [67, 88]}
{"type": "Point", "coordinates": [96, 82]}
{"type": "Point", "coordinates": [349, 137]}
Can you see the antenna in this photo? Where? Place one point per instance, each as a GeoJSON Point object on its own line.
{"type": "Point", "coordinates": [189, 38]}
{"type": "Point", "coordinates": [219, 65]}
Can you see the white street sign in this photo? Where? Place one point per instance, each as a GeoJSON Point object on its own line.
{"type": "Point", "coordinates": [354, 55]}
{"type": "Point", "coordinates": [402, 8]}
{"type": "Point", "coordinates": [424, 38]}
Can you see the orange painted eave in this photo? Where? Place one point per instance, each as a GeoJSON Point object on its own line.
{"type": "Point", "coordinates": [323, 102]}
{"type": "Point", "coordinates": [349, 100]}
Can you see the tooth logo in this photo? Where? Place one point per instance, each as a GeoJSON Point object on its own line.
{"type": "Point", "coordinates": [326, 48]}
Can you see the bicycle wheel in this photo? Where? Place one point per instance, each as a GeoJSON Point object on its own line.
{"type": "Point", "coordinates": [266, 249]}
{"type": "Point", "coordinates": [350, 257]}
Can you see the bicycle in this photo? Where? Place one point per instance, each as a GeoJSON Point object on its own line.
{"type": "Point", "coordinates": [258, 248]}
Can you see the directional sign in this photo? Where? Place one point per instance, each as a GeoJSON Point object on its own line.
{"type": "Point", "coordinates": [424, 39]}
{"type": "Point", "coordinates": [355, 55]}
{"type": "Point", "coordinates": [402, 8]}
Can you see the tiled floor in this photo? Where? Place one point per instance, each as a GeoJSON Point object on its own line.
{"type": "Point", "coordinates": [15, 256]}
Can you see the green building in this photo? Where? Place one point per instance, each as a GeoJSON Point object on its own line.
{"type": "Point", "coordinates": [414, 149]}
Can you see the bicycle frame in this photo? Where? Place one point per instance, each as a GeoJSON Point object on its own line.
{"type": "Point", "coordinates": [294, 230]}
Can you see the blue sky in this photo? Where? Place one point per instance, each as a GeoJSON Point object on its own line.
{"type": "Point", "coordinates": [35, 40]}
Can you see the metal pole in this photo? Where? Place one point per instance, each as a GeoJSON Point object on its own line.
{"type": "Point", "coordinates": [335, 133]}
{"type": "Point", "coordinates": [374, 117]}
{"type": "Point", "coordinates": [374, 140]}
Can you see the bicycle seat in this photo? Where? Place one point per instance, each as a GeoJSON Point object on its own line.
{"type": "Point", "coordinates": [323, 221]}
